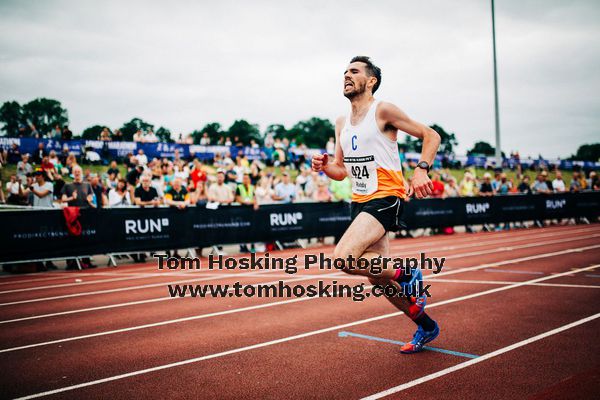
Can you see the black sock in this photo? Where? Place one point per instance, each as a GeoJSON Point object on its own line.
{"type": "Point", "coordinates": [425, 322]}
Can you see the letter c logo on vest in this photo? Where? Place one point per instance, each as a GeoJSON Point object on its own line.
{"type": "Point", "coordinates": [354, 145]}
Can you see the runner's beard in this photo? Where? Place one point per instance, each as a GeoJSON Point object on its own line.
{"type": "Point", "coordinates": [357, 91]}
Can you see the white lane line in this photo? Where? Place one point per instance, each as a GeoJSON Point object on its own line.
{"type": "Point", "coordinates": [487, 251]}
{"type": "Point", "coordinates": [132, 275]}
{"type": "Point", "coordinates": [250, 274]}
{"type": "Point", "coordinates": [289, 338]}
{"type": "Point", "coordinates": [482, 358]}
{"type": "Point", "coordinates": [127, 288]}
{"type": "Point", "coordinates": [519, 234]}
{"type": "Point", "coordinates": [173, 321]}
{"type": "Point", "coordinates": [512, 271]}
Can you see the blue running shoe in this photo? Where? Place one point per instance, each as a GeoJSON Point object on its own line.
{"type": "Point", "coordinates": [420, 338]}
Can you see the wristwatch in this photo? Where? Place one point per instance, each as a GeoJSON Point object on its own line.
{"type": "Point", "coordinates": [424, 165]}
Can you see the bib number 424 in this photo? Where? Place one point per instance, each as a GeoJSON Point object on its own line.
{"type": "Point", "coordinates": [360, 172]}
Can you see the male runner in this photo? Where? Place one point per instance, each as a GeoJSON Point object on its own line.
{"type": "Point", "coordinates": [366, 151]}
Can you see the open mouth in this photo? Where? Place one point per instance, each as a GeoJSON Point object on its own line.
{"type": "Point", "coordinates": [348, 84]}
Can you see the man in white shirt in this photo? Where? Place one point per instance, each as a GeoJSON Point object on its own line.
{"type": "Point", "coordinates": [42, 191]}
{"type": "Point", "coordinates": [220, 192]}
{"type": "Point", "coordinates": [558, 184]}
{"type": "Point", "coordinates": [142, 159]}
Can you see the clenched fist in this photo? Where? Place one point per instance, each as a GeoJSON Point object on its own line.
{"type": "Point", "coordinates": [420, 184]}
{"type": "Point", "coordinates": [319, 161]}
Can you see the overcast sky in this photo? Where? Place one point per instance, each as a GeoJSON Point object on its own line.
{"type": "Point", "coordinates": [182, 64]}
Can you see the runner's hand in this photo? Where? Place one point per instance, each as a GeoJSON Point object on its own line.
{"type": "Point", "coordinates": [420, 184]}
{"type": "Point", "coordinates": [319, 161]}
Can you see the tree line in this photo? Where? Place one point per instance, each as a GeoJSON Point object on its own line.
{"type": "Point", "coordinates": [42, 115]}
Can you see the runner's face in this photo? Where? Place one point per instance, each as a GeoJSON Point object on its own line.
{"type": "Point", "coordinates": [355, 80]}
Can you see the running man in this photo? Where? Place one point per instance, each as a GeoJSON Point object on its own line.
{"type": "Point", "coordinates": [366, 151]}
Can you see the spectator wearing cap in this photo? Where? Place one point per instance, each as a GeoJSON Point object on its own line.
{"type": "Point", "coordinates": [24, 168]}
{"type": "Point", "coordinates": [146, 194]}
{"type": "Point", "coordinates": [504, 186]}
{"type": "Point", "coordinates": [541, 185]}
{"type": "Point", "coordinates": [78, 193]}
{"type": "Point", "coordinates": [244, 192]}
{"type": "Point", "coordinates": [42, 191]}
{"type": "Point", "coordinates": [220, 192]}
{"type": "Point", "coordinates": [486, 188]}
{"type": "Point", "coordinates": [177, 196]}
{"type": "Point", "coordinates": [285, 191]}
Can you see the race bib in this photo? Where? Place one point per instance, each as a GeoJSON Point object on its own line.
{"type": "Point", "coordinates": [363, 174]}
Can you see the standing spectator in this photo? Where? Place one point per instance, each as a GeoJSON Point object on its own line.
{"type": "Point", "coordinates": [151, 137]}
{"type": "Point", "coordinates": [285, 191]}
{"type": "Point", "coordinates": [540, 185]}
{"type": "Point", "coordinates": [438, 186]}
{"type": "Point", "coordinates": [119, 196]}
{"type": "Point", "coordinates": [205, 140]}
{"type": "Point", "coordinates": [39, 153]}
{"type": "Point", "coordinates": [141, 158]}
{"type": "Point", "coordinates": [14, 154]}
{"type": "Point", "coordinates": [146, 194]}
{"type": "Point", "coordinates": [524, 186]}
{"type": "Point", "coordinates": [66, 133]}
{"type": "Point", "coordinates": [43, 192]}
{"type": "Point", "coordinates": [117, 135]}
{"type": "Point", "coordinates": [591, 180]}
{"type": "Point", "coordinates": [138, 136]}
{"type": "Point", "coordinates": [105, 135]}
{"type": "Point", "coordinates": [198, 174]}
{"type": "Point", "coordinates": [558, 184]}
{"type": "Point", "coordinates": [486, 188]}
{"type": "Point", "coordinates": [244, 193]}
{"type": "Point", "coordinates": [78, 193]}
{"type": "Point", "coordinates": [220, 192]}
{"type": "Point", "coordinates": [99, 191]}
{"type": "Point", "coordinates": [24, 168]}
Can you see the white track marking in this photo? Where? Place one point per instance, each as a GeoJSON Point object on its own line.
{"type": "Point", "coordinates": [487, 251]}
{"type": "Point", "coordinates": [482, 358]}
{"type": "Point", "coordinates": [141, 275]}
{"type": "Point", "coordinates": [290, 338]}
{"type": "Point", "coordinates": [254, 273]}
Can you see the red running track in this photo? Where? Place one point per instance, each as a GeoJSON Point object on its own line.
{"type": "Point", "coordinates": [524, 303]}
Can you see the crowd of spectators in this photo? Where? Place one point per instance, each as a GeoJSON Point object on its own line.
{"type": "Point", "coordinates": [175, 182]}
{"type": "Point", "coordinates": [39, 181]}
